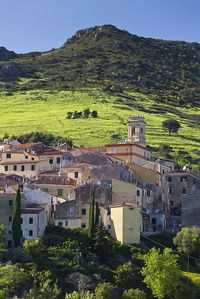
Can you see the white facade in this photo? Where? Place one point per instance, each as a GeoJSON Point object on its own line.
{"type": "Point", "coordinates": [34, 221]}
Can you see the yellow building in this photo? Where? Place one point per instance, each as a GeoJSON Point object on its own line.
{"type": "Point", "coordinates": [19, 162]}
{"type": "Point", "coordinates": [125, 223]}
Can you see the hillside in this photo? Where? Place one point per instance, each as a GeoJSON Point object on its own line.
{"type": "Point", "coordinates": [114, 72]}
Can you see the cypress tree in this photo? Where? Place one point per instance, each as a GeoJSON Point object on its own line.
{"type": "Point", "coordinates": [91, 227]}
{"type": "Point", "coordinates": [16, 224]}
{"type": "Point", "coordinates": [97, 215]}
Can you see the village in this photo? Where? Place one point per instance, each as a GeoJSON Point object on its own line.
{"type": "Point", "coordinates": [137, 194]}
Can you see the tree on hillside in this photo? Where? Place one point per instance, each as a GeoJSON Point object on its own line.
{"type": "Point", "coordinates": [16, 224]}
{"type": "Point", "coordinates": [161, 272]}
{"type": "Point", "coordinates": [94, 114]}
{"type": "Point", "coordinates": [188, 241]}
{"type": "Point", "coordinates": [171, 126]}
{"type": "Point", "coordinates": [97, 214]}
{"type": "Point", "coordinates": [125, 276]}
{"type": "Point", "coordinates": [2, 233]}
{"type": "Point", "coordinates": [103, 244]}
{"type": "Point", "coordinates": [91, 226]}
{"type": "Point", "coordinates": [86, 113]}
{"type": "Point", "coordinates": [134, 294]}
{"type": "Point", "coordinates": [106, 291]}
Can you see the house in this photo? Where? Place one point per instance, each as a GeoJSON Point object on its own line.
{"type": "Point", "coordinates": [33, 222]}
{"type": "Point", "coordinates": [183, 199]}
{"type": "Point", "coordinates": [19, 163]}
{"type": "Point", "coordinates": [125, 221]}
{"type": "Point", "coordinates": [59, 185]}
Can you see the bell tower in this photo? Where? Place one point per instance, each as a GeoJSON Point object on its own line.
{"type": "Point", "coordinates": [136, 130]}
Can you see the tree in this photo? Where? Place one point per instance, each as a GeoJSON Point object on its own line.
{"type": "Point", "coordinates": [161, 272]}
{"type": "Point", "coordinates": [97, 215]}
{"type": "Point", "coordinates": [81, 295]}
{"type": "Point", "coordinates": [94, 114]}
{"type": "Point", "coordinates": [106, 291]}
{"type": "Point", "coordinates": [2, 233]}
{"type": "Point", "coordinates": [44, 287]}
{"type": "Point", "coordinates": [102, 243]}
{"type": "Point", "coordinates": [188, 241]}
{"type": "Point", "coordinates": [16, 224]}
{"type": "Point", "coordinates": [134, 294]}
{"type": "Point", "coordinates": [124, 276]}
{"type": "Point", "coordinates": [69, 115]}
{"type": "Point", "coordinates": [86, 113]}
{"type": "Point", "coordinates": [170, 125]}
{"type": "Point", "coordinates": [91, 226]}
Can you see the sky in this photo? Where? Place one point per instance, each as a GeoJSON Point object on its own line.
{"type": "Point", "coordinates": [39, 25]}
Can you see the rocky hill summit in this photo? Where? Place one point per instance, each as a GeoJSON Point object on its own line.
{"type": "Point", "coordinates": [107, 56]}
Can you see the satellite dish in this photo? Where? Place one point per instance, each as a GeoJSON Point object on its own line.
{"type": "Point", "coordinates": [98, 183]}
{"type": "Point", "coordinates": [184, 168]}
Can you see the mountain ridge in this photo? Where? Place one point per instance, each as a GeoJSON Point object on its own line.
{"type": "Point", "coordinates": [108, 56]}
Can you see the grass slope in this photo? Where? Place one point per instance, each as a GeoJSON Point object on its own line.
{"type": "Point", "coordinates": [40, 110]}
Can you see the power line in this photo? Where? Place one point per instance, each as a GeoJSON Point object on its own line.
{"type": "Point", "coordinates": [161, 245]}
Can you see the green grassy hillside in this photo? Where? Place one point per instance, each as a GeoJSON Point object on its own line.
{"type": "Point", "coordinates": [40, 110]}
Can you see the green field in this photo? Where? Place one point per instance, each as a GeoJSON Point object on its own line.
{"type": "Point", "coordinates": [40, 110]}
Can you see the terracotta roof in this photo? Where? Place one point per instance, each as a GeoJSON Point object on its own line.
{"type": "Point", "coordinates": [127, 144]}
{"type": "Point", "coordinates": [31, 210]}
{"type": "Point", "coordinates": [26, 145]}
{"type": "Point", "coordinates": [19, 162]}
{"type": "Point", "coordinates": [53, 153]}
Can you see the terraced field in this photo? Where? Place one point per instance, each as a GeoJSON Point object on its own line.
{"type": "Point", "coordinates": [40, 110]}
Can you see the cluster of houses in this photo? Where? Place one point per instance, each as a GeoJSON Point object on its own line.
{"type": "Point", "coordinates": [136, 193]}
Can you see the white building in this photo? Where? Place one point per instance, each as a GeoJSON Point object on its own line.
{"type": "Point", "coordinates": [33, 223]}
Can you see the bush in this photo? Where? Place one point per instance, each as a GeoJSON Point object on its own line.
{"type": "Point", "coordinates": [134, 294]}
{"type": "Point", "coordinates": [106, 291]}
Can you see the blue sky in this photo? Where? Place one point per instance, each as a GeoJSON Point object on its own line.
{"type": "Point", "coordinates": [38, 25]}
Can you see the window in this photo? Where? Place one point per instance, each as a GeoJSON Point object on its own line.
{"type": "Point", "coordinates": [141, 130]}
{"type": "Point", "coordinates": [50, 161]}
{"type": "Point", "coordinates": [60, 192]}
{"type": "Point", "coordinates": [60, 223]}
{"type": "Point", "coordinates": [8, 155]}
{"type": "Point", "coordinates": [183, 191]}
{"type": "Point", "coordinates": [170, 191]}
{"type": "Point", "coordinates": [75, 174]}
{"type": "Point", "coordinates": [153, 220]}
{"type": "Point", "coordinates": [10, 232]}
{"type": "Point", "coordinates": [133, 130]}
{"type": "Point", "coordinates": [10, 202]}
{"type": "Point", "coordinates": [138, 192]}
{"type": "Point", "coordinates": [169, 179]}
{"type": "Point", "coordinates": [58, 160]}
{"type": "Point", "coordinates": [30, 233]}
{"type": "Point", "coordinates": [22, 168]}
{"type": "Point", "coordinates": [32, 159]}
{"type": "Point", "coordinates": [183, 179]}
{"type": "Point", "coordinates": [148, 193]}
{"type": "Point", "coordinates": [22, 233]}
{"type": "Point", "coordinates": [109, 226]}
{"type": "Point", "coordinates": [6, 168]}
{"type": "Point", "coordinates": [10, 218]}
{"type": "Point", "coordinates": [31, 220]}
{"type": "Point", "coordinates": [9, 243]}
{"type": "Point", "coordinates": [66, 223]}
{"type": "Point", "coordinates": [83, 225]}
{"type": "Point", "coordinates": [26, 157]}
{"type": "Point", "coordinates": [171, 203]}
{"type": "Point", "coordinates": [15, 167]}
{"type": "Point", "coordinates": [32, 167]}
{"type": "Point", "coordinates": [21, 220]}
{"type": "Point", "coordinates": [83, 211]}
